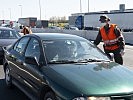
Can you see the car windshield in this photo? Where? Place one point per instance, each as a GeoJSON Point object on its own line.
{"type": "Point", "coordinates": [9, 34]}
{"type": "Point", "coordinates": [72, 51]}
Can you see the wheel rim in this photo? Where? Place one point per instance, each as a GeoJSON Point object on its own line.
{"type": "Point", "coordinates": [7, 76]}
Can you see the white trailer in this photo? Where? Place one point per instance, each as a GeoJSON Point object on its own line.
{"type": "Point", "coordinates": [124, 20]}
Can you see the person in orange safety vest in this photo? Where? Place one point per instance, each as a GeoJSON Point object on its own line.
{"type": "Point", "coordinates": [113, 39]}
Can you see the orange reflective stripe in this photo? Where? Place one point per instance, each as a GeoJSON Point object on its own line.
{"type": "Point", "coordinates": [108, 41]}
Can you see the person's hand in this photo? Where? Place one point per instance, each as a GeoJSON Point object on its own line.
{"type": "Point", "coordinates": [122, 52]}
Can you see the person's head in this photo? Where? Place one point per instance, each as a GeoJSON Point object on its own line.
{"type": "Point", "coordinates": [72, 49]}
{"type": "Point", "coordinates": [26, 30]}
{"type": "Point", "coordinates": [104, 19]}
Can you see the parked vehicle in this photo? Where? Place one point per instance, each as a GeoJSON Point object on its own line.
{"type": "Point", "coordinates": [41, 23]}
{"type": "Point", "coordinates": [7, 37]}
{"type": "Point", "coordinates": [90, 20]}
{"type": "Point", "coordinates": [57, 66]}
{"type": "Point", "coordinates": [71, 28]}
{"type": "Point", "coordinates": [54, 27]}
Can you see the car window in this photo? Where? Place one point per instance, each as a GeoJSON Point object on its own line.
{"type": "Point", "coordinates": [33, 49]}
{"type": "Point", "coordinates": [71, 49]}
{"type": "Point", "coordinates": [8, 34]}
{"type": "Point", "coordinates": [20, 45]}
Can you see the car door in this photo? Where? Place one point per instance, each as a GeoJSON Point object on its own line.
{"type": "Point", "coordinates": [33, 75]}
{"type": "Point", "coordinates": [16, 58]}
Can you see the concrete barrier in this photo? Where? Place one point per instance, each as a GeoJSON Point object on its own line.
{"type": "Point", "coordinates": [90, 35]}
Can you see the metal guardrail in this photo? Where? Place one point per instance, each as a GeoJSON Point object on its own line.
{"type": "Point", "coordinates": [88, 34]}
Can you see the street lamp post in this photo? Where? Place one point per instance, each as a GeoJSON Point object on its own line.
{"type": "Point", "coordinates": [40, 8]}
{"type": "Point", "coordinates": [3, 14]}
{"type": "Point", "coordinates": [80, 6]}
{"type": "Point", "coordinates": [21, 9]}
{"type": "Point", "coordinates": [88, 5]}
{"type": "Point", "coordinates": [10, 12]}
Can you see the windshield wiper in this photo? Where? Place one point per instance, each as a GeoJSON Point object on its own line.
{"type": "Point", "coordinates": [77, 61]}
{"type": "Point", "coordinates": [93, 60]}
{"type": "Point", "coordinates": [61, 62]}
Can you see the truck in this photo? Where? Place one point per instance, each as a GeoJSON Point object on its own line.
{"type": "Point", "coordinates": [124, 20]}
{"type": "Point", "coordinates": [29, 21]}
{"type": "Point", "coordinates": [41, 23]}
{"type": "Point", "coordinates": [76, 20]}
{"type": "Point", "coordinates": [122, 17]}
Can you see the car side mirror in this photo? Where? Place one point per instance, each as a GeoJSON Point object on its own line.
{"type": "Point", "coordinates": [31, 60]}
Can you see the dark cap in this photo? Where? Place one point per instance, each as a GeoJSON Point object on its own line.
{"type": "Point", "coordinates": [104, 18]}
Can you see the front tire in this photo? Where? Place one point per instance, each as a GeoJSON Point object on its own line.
{"type": "Point", "coordinates": [8, 78]}
{"type": "Point", "coordinates": [49, 96]}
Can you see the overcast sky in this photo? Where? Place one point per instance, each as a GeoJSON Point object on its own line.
{"type": "Point", "coordinates": [14, 9]}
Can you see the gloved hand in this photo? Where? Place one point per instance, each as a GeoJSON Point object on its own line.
{"type": "Point", "coordinates": [122, 52]}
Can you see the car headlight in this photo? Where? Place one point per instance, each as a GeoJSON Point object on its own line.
{"type": "Point", "coordinates": [92, 98]}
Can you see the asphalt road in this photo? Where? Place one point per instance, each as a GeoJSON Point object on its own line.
{"type": "Point", "coordinates": [9, 94]}
{"type": "Point", "coordinates": [128, 58]}
{"type": "Point", "coordinates": [16, 94]}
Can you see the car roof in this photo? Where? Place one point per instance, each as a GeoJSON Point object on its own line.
{"type": "Point", "coordinates": [5, 28]}
{"type": "Point", "coordinates": [51, 36]}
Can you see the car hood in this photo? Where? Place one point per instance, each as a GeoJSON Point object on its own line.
{"type": "Point", "coordinates": [104, 78]}
{"type": "Point", "coordinates": [6, 42]}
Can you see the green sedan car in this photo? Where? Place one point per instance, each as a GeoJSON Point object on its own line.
{"type": "Point", "coordinates": [57, 66]}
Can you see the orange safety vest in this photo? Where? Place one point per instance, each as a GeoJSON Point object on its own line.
{"type": "Point", "coordinates": [110, 40]}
